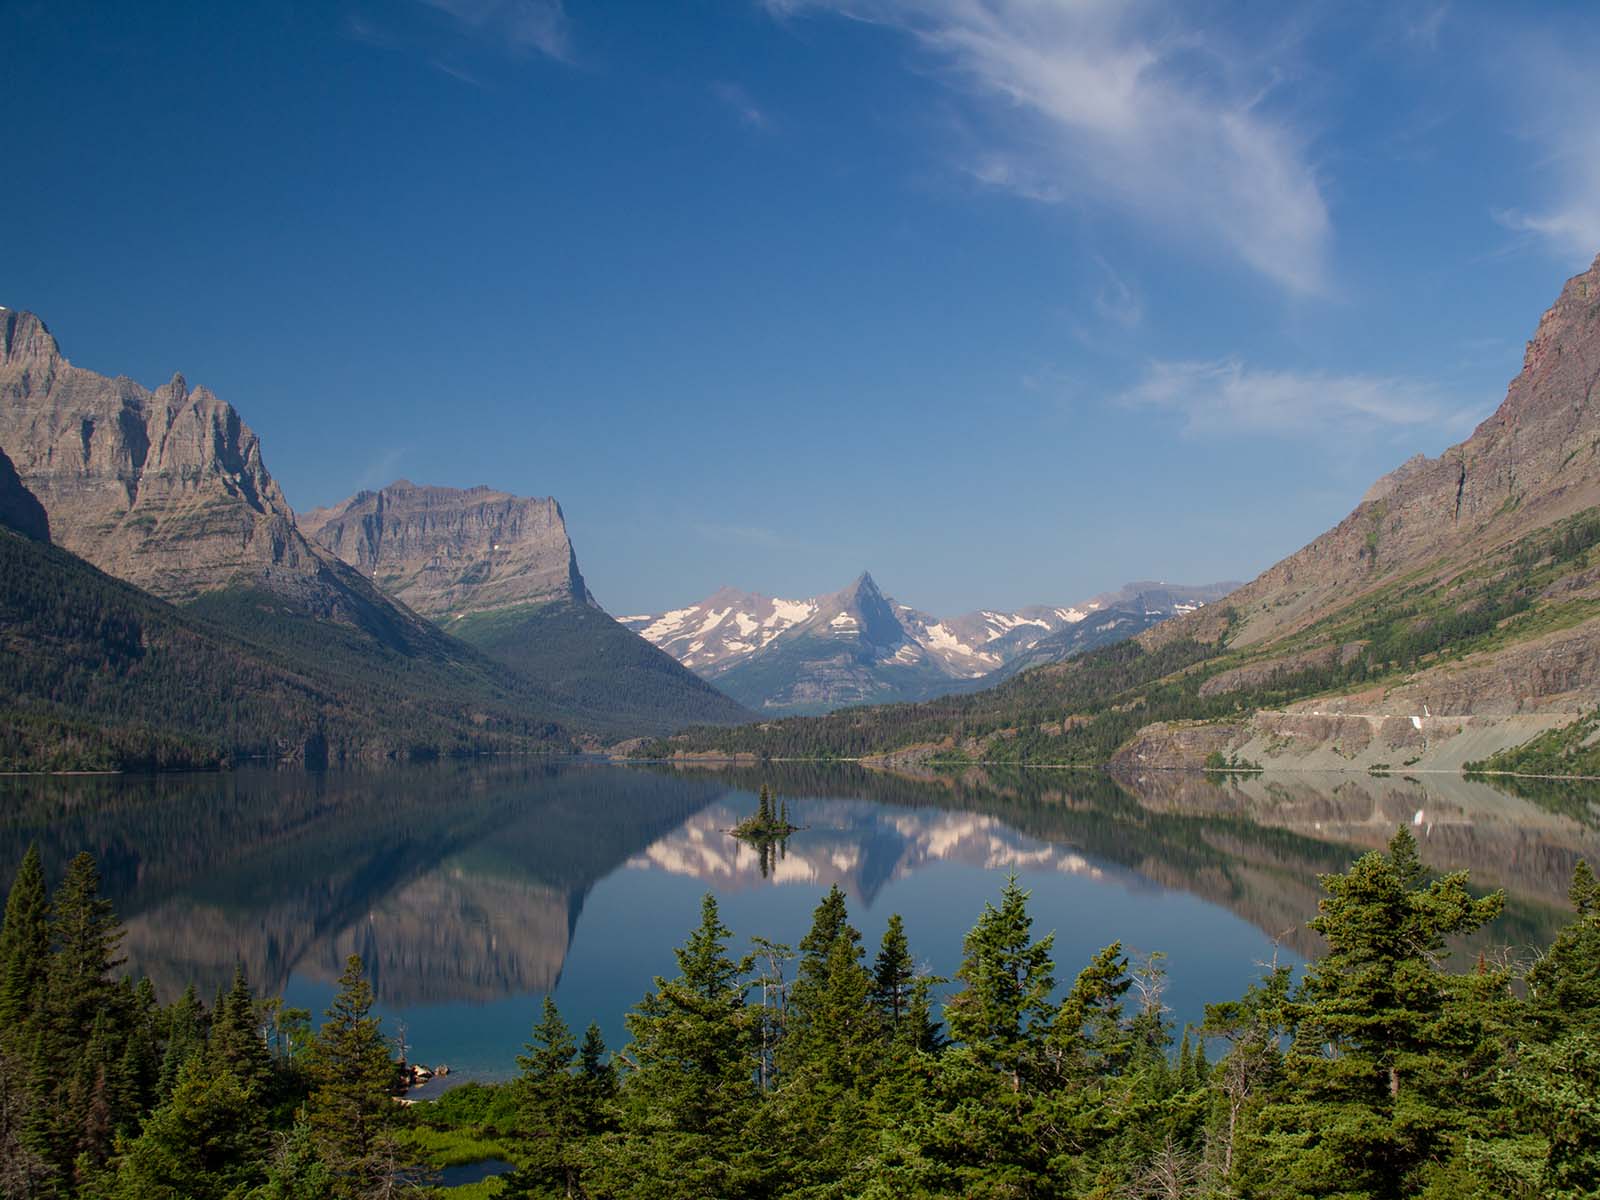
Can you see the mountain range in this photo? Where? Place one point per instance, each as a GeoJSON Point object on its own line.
{"type": "Point", "coordinates": [165, 605]}
{"type": "Point", "coordinates": [859, 646]}
{"type": "Point", "coordinates": [1452, 620]}
{"type": "Point", "coordinates": [161, 604]}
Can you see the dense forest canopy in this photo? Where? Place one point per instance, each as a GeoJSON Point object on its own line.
{"type": "Point", "coordinates": [830, 1069]}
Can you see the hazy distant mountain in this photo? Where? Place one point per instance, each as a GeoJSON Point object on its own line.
{"type": "Point", "coordinates": [859, 646]}
{"type": "Point", "coordinates": [499, 572]}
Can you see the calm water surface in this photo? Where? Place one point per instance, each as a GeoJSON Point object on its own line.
{"type": "Point", "coordinates": [472, 891]}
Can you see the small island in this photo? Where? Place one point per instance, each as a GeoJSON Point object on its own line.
{"type": "Point", "coordinates": [766, 824]}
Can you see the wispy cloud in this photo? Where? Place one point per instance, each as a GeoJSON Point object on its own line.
{"type": "Point", "coordinates": [1116, 301]}
{"type": "Point", "coordinates": [1559, 92]}
{"type": "Point", "coordinates": [1092, 102]}
{"type": "Point", "coordinates": [521, 26]}
{"type": "Point", "coordinates": [1227, 396]}
{"type": "Point", "coordinates": [739, 101]}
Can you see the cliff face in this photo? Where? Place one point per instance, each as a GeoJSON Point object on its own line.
{"type": "Point", "coordinates": [165, 489]}
{"type": "Point", "coordinates": [447, 551]}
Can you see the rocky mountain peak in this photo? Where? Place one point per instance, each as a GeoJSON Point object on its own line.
{"type": "Point", "coordinates": [165, 489]}
{"type": "Point", "coordinates": [449, 552]}
{"type": "Point", "coordinates": [25, 341]}
{"type": "Point", "coordinates": [1573, 314]}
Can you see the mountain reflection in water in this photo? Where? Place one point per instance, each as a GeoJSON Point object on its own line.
{"type": "Point", "coordinates": [471, 889]}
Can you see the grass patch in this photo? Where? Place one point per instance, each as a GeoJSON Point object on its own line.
{"type": "Point", "coordinates": [482, 1190]}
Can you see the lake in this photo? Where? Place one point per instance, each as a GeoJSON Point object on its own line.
{"type": "Point", "coordinates": [472, 890]}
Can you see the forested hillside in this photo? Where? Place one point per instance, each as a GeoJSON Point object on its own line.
{"type": "Point", "coordinates": [821, 1070]}
{"type": "Point", "coordinates": [97, 674]}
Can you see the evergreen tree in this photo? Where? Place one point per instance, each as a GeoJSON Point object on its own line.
{"type": "Point", "coordinates": [24, 947]}
{"type": "Point", "coordinates": [552, 1112]}
{"type": "Point", "coordinates": [236, 1041]}
{"type": "Point", "coordinates": [82, 1030]}
{"type": "Point", "coordinates": [1548, 1141]}
{"type": "Point", "coordinates": [597, 1078]}
{"type": "Point", "coordinates": [690, 1091]}
{"type": "Point", "coordinates": [293, 1170]}
{"type": "Point", "coordinates": [808, 999]}
{"type": "Point", "coordinates": [1373, 1076]}
{"type": "Point", "coordinates": [23, 1172]}
{"type": "Point", "coordinates": [86, 934]}
{"type": "Point", "coordinates": [207, 1142]}
{"type": "Point", "coordinates": [353, 1077]}
{"type": "Point", "coordinates": [893, 973]}
{"type": "Point", "coordinates": [833, 1061]}
{"type": "Point", "coordinates": [185, 1028]}
{"type": "Point", "coordinates": [1009, 977]}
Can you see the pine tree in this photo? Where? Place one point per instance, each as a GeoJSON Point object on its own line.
{"type": "Point", "coordinates": [1547, 1084]}
{"type": "Point", "coordinates": [598, 1080]}
{"type": "Point", "coordinates": [551, 1112]}
{"type": "Point", "coordinates": [83, 1026]}
{"type": "Point", "coordinates": [185, 1036]}
{"type": "Point", "coordinates": [293, 1169]}
{"type": "Point", "coordinates": [24, 947]}
{"type": "Point", "coordinates": [893, 973]}
{"type": "Point", "coordinates": [833, 1060]}
{"type": "Point", "coordinates": [830, 922]}
{"type": "Point", "coordinates": [236, 1042]}
{"type": "Point", "coordinates": [1372, 1090]}
{"type": "Point", "coordinates": [1585, 891]}
{"type": "Point", "coordinates": [1009, 977]}
{"type": "Point", "coordinates": [353, 1077]}
{"type": "Point", "coordinates": [690, 1090]}
{"type": "Point", "coordinates": [86, 934]}
{"type": "Point", "coordinates": [23, 1172]}
{"type": "Point", "coordinates": [206, 1142]}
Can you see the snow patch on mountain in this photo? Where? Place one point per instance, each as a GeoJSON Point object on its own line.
{"type": "Point", "coordinates": [859, 646]}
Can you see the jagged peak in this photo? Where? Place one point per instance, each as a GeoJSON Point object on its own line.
{"type": "Point", "coordinates": [25, 339]}
{"type": "Point", "coordinates": [1581, 292]}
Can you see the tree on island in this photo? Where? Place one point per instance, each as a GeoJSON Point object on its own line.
{"type": "Point", "coordinates": [768, 824]}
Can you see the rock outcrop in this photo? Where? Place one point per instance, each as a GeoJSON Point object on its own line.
{"type": "Point", "coordinates": [446, 552]}
{"type": "Point", "coordinates": [165, 489]}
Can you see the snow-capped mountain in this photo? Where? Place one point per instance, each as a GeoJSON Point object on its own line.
{"type": "Point", "coordinates": [858, 646]}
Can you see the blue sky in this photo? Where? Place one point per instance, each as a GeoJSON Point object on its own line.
{"type": "Point", "coordinates": [1008, 302]}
